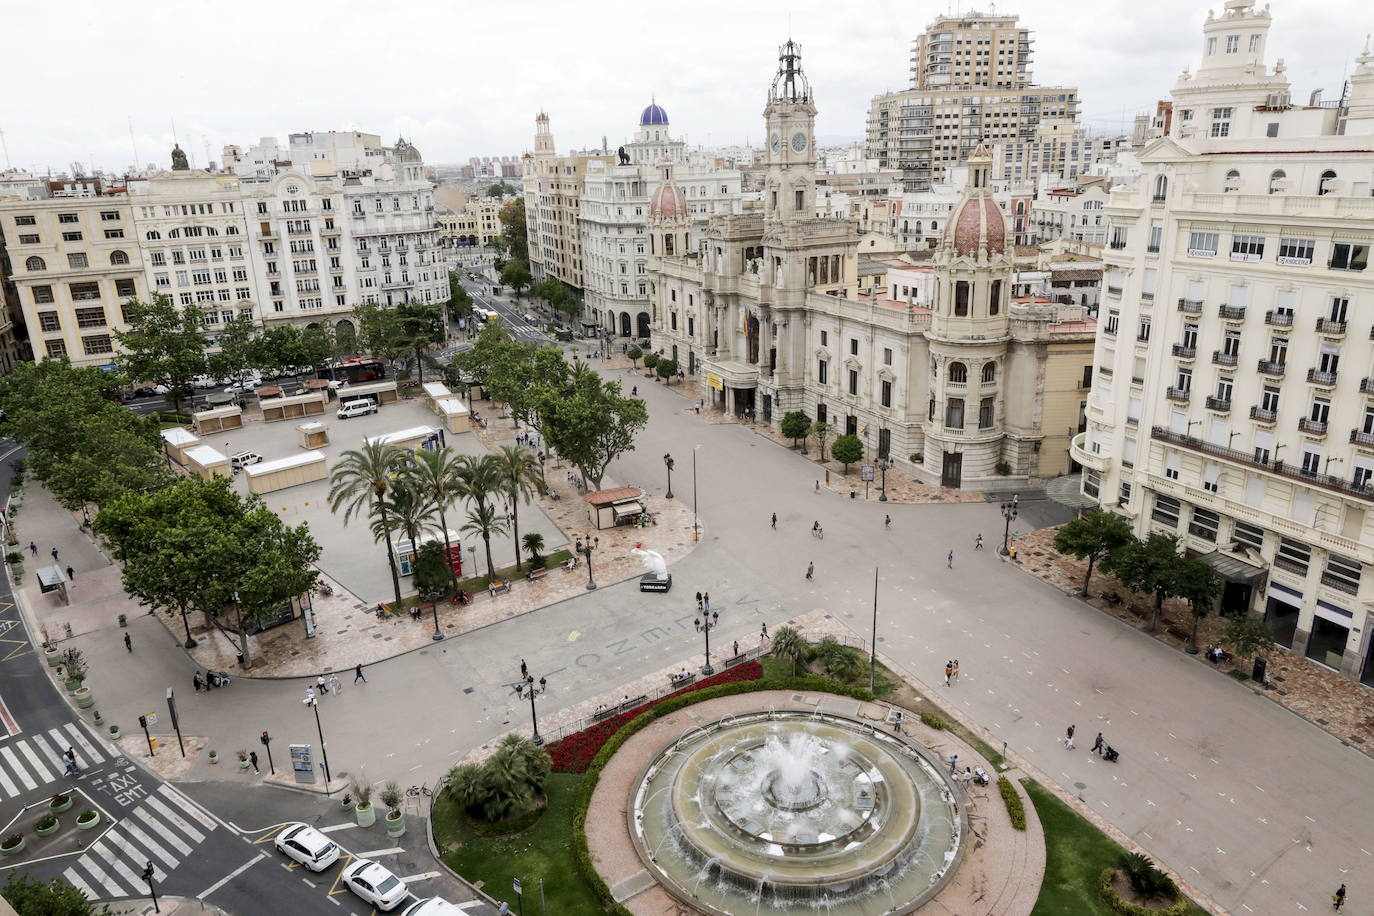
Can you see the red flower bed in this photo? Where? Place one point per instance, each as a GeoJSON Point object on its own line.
{"type": "Point", "coordinates": [574, 753]}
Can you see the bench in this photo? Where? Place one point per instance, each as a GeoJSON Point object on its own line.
{"type": "Point", "coordinates": [498, 588]}
{"type": "Point", "coordinates": [606, 712]}
{"type": "Point", "coordinates": [681, 680]}
{"type": "Point", "coordinates": [536, 574]}
{"type": "Point", "coordinates": [1178, 631]}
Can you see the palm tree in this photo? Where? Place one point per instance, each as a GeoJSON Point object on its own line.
{"type": "Point", "coordinates": [519, 480]}
{"type": "Point", "coordinates": [534, 545]}
{"type": "Point", "coordinates": [436, 473]}
{"type": "Point", "coordinates": [788, 642]}
{"type": "Point", "coordinates": [408, 511]}
{"type": "Point", "coordinates": [837, 658]}
{"type": "Point", "coordinates": [483, 520]}
{"type": "Point", "coordinates": [479, 476]}
{"type": "Point", "coordinates": [362, 479]}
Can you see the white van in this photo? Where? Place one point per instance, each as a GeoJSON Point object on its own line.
{"type": "Point", "coordinates": [434, 906]}
{"type": "Point", "coordinates": [360, 407]}
{"type": "Point", "coordinates": [243, 459]}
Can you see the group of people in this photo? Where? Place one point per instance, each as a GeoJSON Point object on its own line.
{"type": "Point", "coordinates": [211, 679]}
{"type": "Point", "coordinates": [951, 671]}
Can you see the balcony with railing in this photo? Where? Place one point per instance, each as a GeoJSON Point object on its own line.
{"type": "Point", "coordinates": [1178, 394]}
{"type": "Point", "coordinates": [1367, 385]}
{"type": "Point", "coordinates": [1340, 583]}
{"type": "Point", "coordinates": [1330, 327]}
{"type": "Point", "coordinates": [1221, 405]}
{"type": "Point", "coordinates": [1184, 352]}
{"type": "Point", "coordinates": [1248, 459]}
{"type": "Point", "coordinates": [1360, 437]}
{"type": "Point", "coordinates": [1311, 426]}
{"type": "Point", "coordinates": [1078, 450]}
{"type": "Point", "coordinates": [1190, 306]}
{"type": "Point", "coordinates": [1222, 358]}
{"type": "Point", "coordinates": [1277, 319]}
{"type": "Point", "coordinates": [1270, 367]}
{"type": "Point", "coordinates": [1114, 291]}
{"type": "Point", "coordinates": [1264, 415]}
{"type": "Point", "coordinates": [1231, 312]}
{"type": "Point", "coordinates": [1322, 378]}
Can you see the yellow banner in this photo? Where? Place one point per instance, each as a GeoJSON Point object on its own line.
{"type": "Point", "coordinates": [713, 381]}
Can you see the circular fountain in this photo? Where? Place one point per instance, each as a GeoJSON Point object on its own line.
{"type": "Point", "coordinates": [787, 810]}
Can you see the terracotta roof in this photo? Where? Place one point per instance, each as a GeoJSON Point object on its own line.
{"type": "Point", "coordinates": [1076, 274]}
{"type": "Point", "coordinates": [616, 495]}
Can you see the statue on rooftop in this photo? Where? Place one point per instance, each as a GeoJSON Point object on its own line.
{"type": "Point", "coordinates": [179, 163]}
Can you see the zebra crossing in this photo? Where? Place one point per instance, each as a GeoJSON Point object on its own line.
{"type": "Point", "coordinates": [164, 830]}
{"type": "Point", "coordinates": [28, 763]}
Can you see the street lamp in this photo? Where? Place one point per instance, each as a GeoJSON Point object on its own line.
{"type": "Point", "coordinates": [586, 551]}
{"type": "Point", "coordinates": [668, 463]}
{"type": "Point", "coordinates": [314, 703]}
{"type": "Point", "coordinates": [882, 486]}
{"type": "Point", "coordinates": [1009, 512]}
{"type": "Point", "coordinates": [696, 531]}
{"type": "Point", "coordinates": [434, 606]}
{"type": "Point", "coordinates": [705, 624]}
{"type": "Point", "coordinates": [526, 690]}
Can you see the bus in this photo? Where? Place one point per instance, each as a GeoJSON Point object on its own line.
{"type": "Point", "coordinates": [488, 315]}
{"type": "Point", "coordinates": [358, 369]}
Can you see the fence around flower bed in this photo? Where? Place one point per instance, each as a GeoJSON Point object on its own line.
{"type": "Point", "coordinates": [574, 753]}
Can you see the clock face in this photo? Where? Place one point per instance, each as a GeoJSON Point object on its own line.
{"type": "Point", "coordinates": [799, 142]}
{"type": "Point", "coordinates": [776, 143]}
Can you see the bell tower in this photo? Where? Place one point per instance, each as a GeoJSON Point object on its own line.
{"type": "Point", "coordinates": [543, 137]}
{"type": "Point", "coordinates": [790, 116]}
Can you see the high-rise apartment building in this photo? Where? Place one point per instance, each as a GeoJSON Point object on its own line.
{"type": "Point", "coordinates": [970, 87]}
{"type": "Point", "coordinates": [553, 194]}
{"type": "Point", "coordinates": [1231, 400]}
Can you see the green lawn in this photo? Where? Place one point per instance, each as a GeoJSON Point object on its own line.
{"type": "Point", "coordinates": [542, 852]}
{"type": "Point", "coordinates": [1076, 852]}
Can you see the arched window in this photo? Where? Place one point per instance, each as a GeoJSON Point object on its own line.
{"type": "Point", "coordinates": [174, 234]}
{"type": "Point", "coordinates": [958, 373]}
{"type": "Point", "coordinates": [211, 230]}
{"type": "Point", "coordinates": [989, 373]}
{"type": "Point", "coordinates": [1324, 186]}
{"type": "Point", "coordinates": [961, 297]}
{"type": "Point", "coordinates": [1275, 177]}
{"type": "Point", "coordinates": [118, 257]}
{"type": "Point", "coordinates": [36, 263]}
{"type": "Point", "coordinates": [231, 230]}
{"type": "Point", "coordinates": [1161, 187]}
{"type": "Point", "coordinates": [153, 235]}
{"type": "Point", "coordinates": [1232, 181]}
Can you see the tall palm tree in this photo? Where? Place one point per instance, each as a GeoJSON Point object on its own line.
{"type": "Point", "coordinates": [436, 473]}
{"type": "Point", "coordinates": [408, 512]}
{"type": "Point", "coordinates": [519, 480]}
{"type": "Point", "coordinates": [484, 521]}
{"type": "Point", "coordinates": [788, 642]}
{"type": "Point", "coordinates": [479, 478]}
{"type": "Point", "coordinates": [362, 479]}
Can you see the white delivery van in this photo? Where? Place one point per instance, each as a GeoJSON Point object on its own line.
{"type": "Point", "coordinates": [357, 408]}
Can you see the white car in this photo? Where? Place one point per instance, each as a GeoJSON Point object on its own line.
{"type": "Point", "coordinates": [434, 906]}
{"type": "Point", "coordinates": [307, 846]}
{"type": "Point", "coordinates": [375, 884]}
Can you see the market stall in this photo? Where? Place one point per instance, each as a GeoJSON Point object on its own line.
{"type": "Point", "coordinates": [218, 419]}
{"type": "Point", "coordinates": [618, 506]}
{"type": "Point", "coordinates": [207, 462]}
{"type": "Point", "coordinates": [291, 471]}
{"type": "Point", "coordinates": [383, 392]}
{"type": "Point", "coordinates": [291, 408]}
{"type": "Point", "coordinates": [457, 418]}
{"type": "Point", "coordinates": [312, 435]}
{"type": "Point", "coordinates": [408, 439]}
{"type": "Point", "coordinates": [176, 441]}
{"type": "Point", "coordinates": [406, 550]}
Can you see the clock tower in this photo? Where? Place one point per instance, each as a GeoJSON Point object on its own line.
{"type": "Point", "coordinates": [790, 186]}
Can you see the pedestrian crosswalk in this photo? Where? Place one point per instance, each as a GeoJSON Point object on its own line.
{"type": "Point", "coordinates": [27, 763]}
{"type": "Point", "coordinates": [163, 830]}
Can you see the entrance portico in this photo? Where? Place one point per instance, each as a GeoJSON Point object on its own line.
{"type": "Point", "coordinates": [732, 385]}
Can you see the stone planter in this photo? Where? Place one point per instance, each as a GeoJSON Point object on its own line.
{"type": "Point", "coordinates": [88, 820]}
{"type": "Point", "coordinates": [366, 815]}
{"type": "Point", "coordinates": [57, 807]}
{"type": "Point", "coordinates": [14, 850]}
{"type": "Point", "coordinates": [53, 656]}
{"type": "Point", "coordinates": [395, 824]}
{"type": "Point", "coordinates": [114, 732]}
{"type": "Point", "coordinates": [98, 719]}
{"type": "Point", "coordinates": [348, 803]}
{"type": "Point", "coordinates": [72, 683]}
{"type": "Point", "coordinates": [49, 830]}
{"type": "Point", "coordinates": [84, 698]}
{"type": "Point", "coordinates": [214, 756]}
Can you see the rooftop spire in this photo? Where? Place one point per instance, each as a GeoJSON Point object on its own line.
{"type": "Point", "coordinates": [790, 84]}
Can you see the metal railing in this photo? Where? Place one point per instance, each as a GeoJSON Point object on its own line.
{"type": "Point", "coordinates": [1231, 312]}
{"type": "Point", "coordinates": [1191, 306]}
{"type": "Point", "coordinates": [1330, 326]}
{"type": "Point", "coordinates": [1178, 394]}
{"type": "Point", "coordinates": [1278, 319]}
{"type": "Point", "coordinates": [1360, 437]}
{"type": "Point", "coordinates": [1184, 352]}
{"type": "Point", "coordinates": [1309, 425]}
{"type": "Point", "coordinates": [1269, 367]}
{"type": "Point", "coordinates": [1318, 377]}
{"type": "Point", "coordinates": [1220, 404]}
{"type": "Point", "coordinates": [1264, 416]}
{"type": "Point", "coordinates": [1326, 481]}
{"type": "Point", "coordinates": [1224, 359]}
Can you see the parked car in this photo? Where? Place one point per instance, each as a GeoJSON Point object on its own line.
{"type": "Point", "coordinates": [359, 407]}
{"type": "Point", "coordinates": [434, 906]}
{"type": "Point", "coordinates": [308, 846]}
{"type": "Point", "coordinates": [375, 884]}
{"type": "Point", "coordinates": [243, 459]}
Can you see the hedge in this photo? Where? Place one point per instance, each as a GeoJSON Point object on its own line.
{"type": "Point", "coordinates": [581, 854]}
{"type": "Point", "coordinates": [1015, 809]}
{"type": "Point", "coordinates": [1181, 906]}
{"type": "Point", "coordinates": [930, 720]}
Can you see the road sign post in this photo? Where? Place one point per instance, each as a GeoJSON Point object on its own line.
{"type": "Point", "coordinates": [143, 721]}
{"type": "Point", "coordinates": [267, 743]}
{"type": "Point", "coordinates": [520, 895]}
{"type": "Point", "coordinates": [172, 711]}
{"type": "Point", "coordinates": [152, 890]}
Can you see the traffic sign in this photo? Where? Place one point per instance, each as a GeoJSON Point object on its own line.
{"type": "Point", "coordinates": [152, 718]}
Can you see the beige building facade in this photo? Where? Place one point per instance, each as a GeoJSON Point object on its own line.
{"type": "Point", "coordinates": [553, 195]}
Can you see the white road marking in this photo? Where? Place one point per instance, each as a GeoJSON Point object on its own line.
{"type": "Point", "coordinates": [175, 818]}
{"type": "Point", "coordinates": [162, 830]}
{"type": "Point", "coordinates": [335, 827]}
{"type": "Point", "coordinates": [188, 806]}
{"type": "Point", "coordinates": [19, 771]}
{"type": "Point", "coordinates": [229, 877]}
{"type": "Point", "coordinates": [75, 881]}
{"type": "Point", "coordinates": [378, 852]}
{"type": "Point", "coordinates": [132, 829]}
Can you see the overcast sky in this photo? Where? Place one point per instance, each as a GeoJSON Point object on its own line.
{"type": "Point", "coordinates": [466, 79]}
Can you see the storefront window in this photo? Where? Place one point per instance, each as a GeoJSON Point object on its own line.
{"type": "Point", "coordinates": [1282, 620]}
{"type": "Point", "coordinates": [1327, 642]}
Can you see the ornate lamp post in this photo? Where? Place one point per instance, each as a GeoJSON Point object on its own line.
{"type": "Point", "coordinates": [882, 486]}
{"type": "Point", "coordinates": [668, 463]}
{"type": "Point", "coordinates": [705, 624]}
{"type": "Point", "coordinates": [585, 549]}
{"type": "Point", "coordinates": [1009, 512]}
{"type": "Point", "coordinates": [314, 703]}
{"type": "Point", "coordinates": [526, 689]}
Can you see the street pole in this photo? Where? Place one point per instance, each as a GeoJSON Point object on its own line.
{"type": "Point", "coordinates": [873, 644]}
{"type": "Point", "coordinates": [190, 640]}
{"type": "Point", "coordinates": [434, 606]}
{"type": "Point", "coordinates": [152, 889]}
{"type": "Point", "coordinates": [1009, 511]}
{"type": "Point", "coordinates": [266, 740]}
{"type": "Point", "coordinates": [705, 625]}
{"type": "Point", "coordinates": [314, 704]}
{"type": "Point", "coordinates": [143, 720]}
{"type": "Point", "coordinates": [526, 688]}
{"type": "Point", "coordinates": [172, 708]}
{"type": "Point", "coordinates": [586, 551]}
{"type": "Point", "coordinates": [668, 462]}
{"type": "Point", "coordinates": [696, 532]}
{"type": "Point", "coordinates": [882, 488]}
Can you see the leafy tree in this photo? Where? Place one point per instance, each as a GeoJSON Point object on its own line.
{"type": "Point", "coordinates": [1155, 566]}
{"type": "Point", "coordinates": [164, 343]}
{"type": "Point", "coordinates": [380, 331]}
{"type": "Point", "coordinates": [432, 573]}
{"type": "Point", "coordinates": [634, 353]}
{"type": "Point", "coordinates": [479, 480]}
{"type": "Point", "coordinates": [436, 473]}
{"type": "Point", "coordinates": [839, 660]}
{"type": "Point", "coordinates": [407, 511]}
{"type": "Point", "coordinates": [789, 643]}
{"type": "Point", "coordinates": [419, 326]}
{"type": "Point", "coordinates": [320, 344]}
{"type": "Point", "coordinates": [666, 368]}
{"type": "Point", "coordinates": [514, 234]}
{"type": "Point", "coordinates": [484, 521]}
{"type": "Point", "coordinates": [847, 450]}
{"type": "Point", "coordinates": [346, 339]}
{"type": "Point", "coordinates": [281, 349]}
{"type": "Point", "coordinates": [111, 456]}
{"type": "Point", "coordinates": [795, 425]}
{"type": "Point", "coordinates": [1093, 537]}
{"type": "Point", "coordinates": [592, 424]}
{"type": "Point", "coordinates": [31, 897]}
{"type": "Point", "coordinates": [500, 189]}
{"type": "Point", "coordinates": [519, 480]}
{"type": "Point", "coordinates": [1247, 634]}
{"type": "Point", "coordinates": [474, 366]}
{"type": "Point", "coordinates": [534, 546]}
{"type": "Point", "coordinates": [459, 299]}
{"type": "Point", "coordinates": [516, 274]}
{"type": "Point", "coordinates": [505, 783]}
{"type": "Point", "coordinates": [821, 429]}
{"type": "Point", "coordinates": [363, 479]}
{"type": "Point", "coordinates": [650, 360]}
{"type": "Point", "coordinates": [238, 351]}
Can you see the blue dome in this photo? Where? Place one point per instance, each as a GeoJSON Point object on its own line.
{"type": "Point", "coordinates": [653, 115]}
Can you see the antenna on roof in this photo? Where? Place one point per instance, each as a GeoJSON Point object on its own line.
{"type": "Point", "coordinates": [133, 141]}
{"type": "Point", "coordinates": [6, 148]}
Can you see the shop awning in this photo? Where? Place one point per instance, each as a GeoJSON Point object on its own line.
{"type": "Point", "coordinates": [625, 509]}
{"type": "Point", "coordinates": [1232, 568]}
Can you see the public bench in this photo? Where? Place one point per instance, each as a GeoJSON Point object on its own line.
{"type": "Point", "coordinates": [536, 574]}
{"type": "Point", "coordinates": [498, 588]}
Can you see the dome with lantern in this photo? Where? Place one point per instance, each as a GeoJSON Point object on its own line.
{"type": "Point", "coordinates": [668, 201]}
{"type": "Point", "coordinates": [653, 116]}
{"type": "Point", "coordinates": [977, 223]}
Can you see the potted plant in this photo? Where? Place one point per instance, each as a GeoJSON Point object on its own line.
{"type": "Point", "coordinates": [98, 718]}
{"type": "Point", "coordinates": [53, 655]}
{"type": "Point", "coordinates": [114, 732]}
{"type": "Point", "coordinates": [348, 801]}
{"type": "Point", "coordinates": [84, 698]}
{"type": "Point", "coordinates": [12, 845]}
{"type": "Point", "coordinates": [243, 760]}
{"type": "Point", "coordinates": [60, 802]}
{"type": "Point", "coordinates": [87, 819]}
{"type": "Point", "coordinates": [395, 820]}
{"type": "Point", "coordinates": [73, 668]}
{"type": "Point", "coordinates": [123, 620]}
{"type": "Point", "coordinates": [363, 812]}
{"type": "Point", "coordinates": [47, 825]}
{"type": "Point", "coordinates": [214, 756]}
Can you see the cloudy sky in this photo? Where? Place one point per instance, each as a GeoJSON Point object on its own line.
{"type": "Point", "coordinates": [465, 79]}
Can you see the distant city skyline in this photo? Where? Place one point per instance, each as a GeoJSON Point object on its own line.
{"type": "Point", "coordinates": [99, 94]}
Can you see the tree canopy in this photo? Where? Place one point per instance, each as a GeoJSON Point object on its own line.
{"type": "Point", "coordinates": [31, 897]}
{"type": "Point", "coordinates": [514, 234]}
{"type": "Point", "coordinates": [593, 423]}
{"type": "Point", "coordinates": [847, 449]}
{"type": "Point", "coordinates": [164, 343]}
{"type": "Point", "coordinates": [795, 425]}
{"type": "Point", "coordinates": [1093, 537]}
{"type": "Point", "coordinates": [1155, 565]}
{"type": "Point", "coordinates": [515, 273]}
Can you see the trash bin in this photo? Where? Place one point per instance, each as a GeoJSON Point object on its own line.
{"type": "Point", "coordinates": [853, 494]}
{"type": "Point", "coordinates": [239, 656]}
{"type": "Point", "coordinates": [1258, 672]}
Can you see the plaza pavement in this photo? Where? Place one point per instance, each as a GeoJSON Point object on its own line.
{"type": "Point", "coordinates": [1259, 809]}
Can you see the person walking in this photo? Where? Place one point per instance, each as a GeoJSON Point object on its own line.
{"type": "Point", "coordinates": [955, 673]}
{"type": "Point", "coordinates": [334, 684]}
{"type": "Point", "coordinates": [775, 521]}
{"type": "Point", "coordinates": [54, 554]}
{"type": "Point", "coordinates": [698, 601]}
{"type": "Point", "coordinates": [128, 643]}
{"type": "Point", "coordinates": [33, 547]}
{"type": "Point", "coordinates": [524, 670]}
{"type": "Point", "coordinates": [763, 633]}
{"type": "Point", "coordinates": [71, 574]}
{"type": "Point", "coordinates": [949, 672]}
{"type": "Point", "coordinates": [949, 559]}
{"type": "Point", "coordinates": [320, 686]}
{"type": "Point", "coordinates": [810, 571]}
{"type": "Point", "coordinates": [358, 674]}
{"type": "Point", "coordinates": [953, 764]}
{"type": "Point", "coordinates": [70, 755]}
{"type": "Point", "coordinates": [706, 601]}
{"type": "Point", "coordinates": [1338, 898]}
{"type": "Point", "coordinates": [309, 694]}
{"type": "Point", "coordinates": [887, 522]}
{"type": "Point", "coordinates": [897, 723]}
{"type": "Point", "coordinates": [978, 544]}
{"type": "Point", "coordinates": [197, 683]}
{"type": "Point", "coordinates": [253, 759]}
{"type": "Point", "coordinates": [1068, 739]}
{"type": "Point", "coordinates": [735, 648]}
{"type": "Point", "coordinates": [1097, 744]}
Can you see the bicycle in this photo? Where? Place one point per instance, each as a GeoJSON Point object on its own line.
{"type": "Point", "coordinates": [818, 533]}
{"type": "Point", "coordinates": [417, 791]}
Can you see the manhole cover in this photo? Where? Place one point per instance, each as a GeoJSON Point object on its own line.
{"type": "Point", "coordinates": [467, 690]}
{"type": "Point", "coordinates": [1080, 786]}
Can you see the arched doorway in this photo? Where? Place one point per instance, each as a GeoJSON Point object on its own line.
{"type": "Point", "coordinates": [624, 324]}
{"type": "Point", "coordinates": [347, 336]}
{"type": "Point", "coordinates": [643, 324]}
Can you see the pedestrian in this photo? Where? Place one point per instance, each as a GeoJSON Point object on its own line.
{"type": "Point", "coordinates": [33, 547]}
{"type": "Point", "coordinates": [887, 522]}
{"type": "Point", "coordinates": [128, 642]}
{"type": "Point", "coordinates": [949, 671]}
{"type": "Point", "coordinates": [253, 759]}
{"type": "Point", "coordinates": [978, 544]}
{"type": "Point", "coordinates": [706, 601]}
{"type": "Point", "coordinates": [1338, 898]}
{"type": "Point", "coordinates": [763, 634]}
{"type": "Point", "coordinates": [818, 486]}
{"type": "Point", "coordinates": [320, 686]}
{"type": "Point", "coordinates": [54, 554]}
{"type": "Point", "coordinates": [698, 601]}
{"type": "Point", "coordinates": [735, 649]}
{"type": "Point", "coordinates": [953, 764]}
{"type": "Point", "coordinates": [71, 574]}
{"type": "Point", "coordinates": [197, 683]}
{"type": "Point", "coordinates": [775, 521]}
{"type": "Point", "coordinates": [949, 558]}
{"type": "Point", "coordinates": [334, 684]}
{"type": "Point", "coordinates": [358, 674]}
{"type": "Point", "coordinates": [309, 694]}
{"type": "Point", "coordinates": [1068, 739]}
{"type": "Point", "coordinates": [1097, 744]}
{"type": "Point", "coordinates": [897, 723]}
{"type": "Point", "coordinates": [810, 571]}
{"type": "Point", "coordinates": [524, 670]}
{"type": "Point", "coordinates": [955, 673]}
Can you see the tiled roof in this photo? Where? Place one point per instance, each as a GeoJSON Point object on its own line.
{"type": "Point", "coordinates": [616, 495]}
